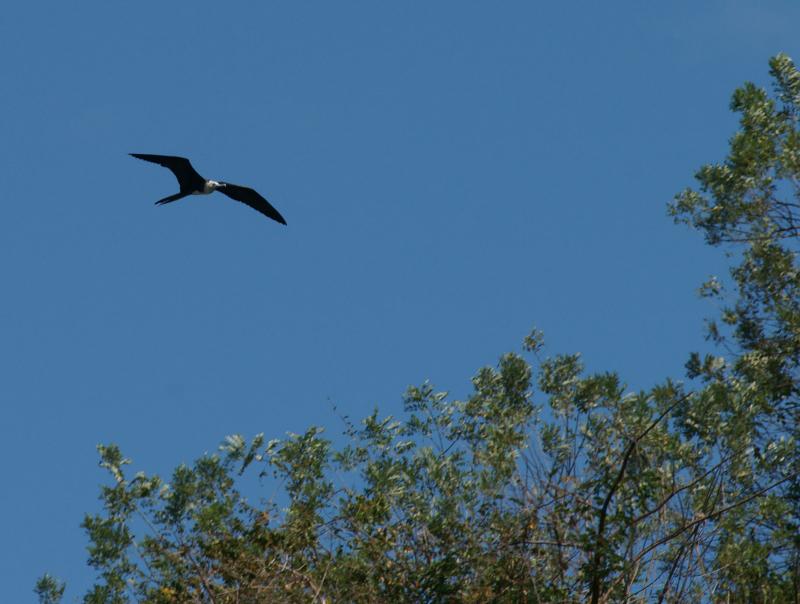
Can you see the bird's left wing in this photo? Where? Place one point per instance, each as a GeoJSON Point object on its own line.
{"type": "Point", "coordinates": [253, 199]}
{"type": "Point", "coordinates": [187, 176]}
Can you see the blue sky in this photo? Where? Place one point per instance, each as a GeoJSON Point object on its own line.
{"type": "Point", "coordinates": [453, 173]}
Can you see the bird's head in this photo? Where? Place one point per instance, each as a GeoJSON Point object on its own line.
{"type": "Point", "coordinates": [213, 185]}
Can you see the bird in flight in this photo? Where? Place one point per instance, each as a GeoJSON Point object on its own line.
{"type": "Point", "coordinates": [191, 183]}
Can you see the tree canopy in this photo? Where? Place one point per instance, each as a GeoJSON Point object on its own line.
{"type": "Point", "coordinates": [547, 484]}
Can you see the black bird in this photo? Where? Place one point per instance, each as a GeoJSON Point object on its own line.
{"type": "Point", "coordinates": [191, 183]}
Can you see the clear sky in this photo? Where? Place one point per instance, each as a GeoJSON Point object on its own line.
{"type": "Point", "coordinates": [452, 173]}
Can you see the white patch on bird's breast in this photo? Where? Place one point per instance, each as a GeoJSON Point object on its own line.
{"type": "Point", "coordinates": [210, 186]}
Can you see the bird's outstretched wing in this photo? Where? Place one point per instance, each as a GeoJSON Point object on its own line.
{"type": "Point", "coordinates": [253, 199]}
{"type": "Point", "coordinates": [188, 178]}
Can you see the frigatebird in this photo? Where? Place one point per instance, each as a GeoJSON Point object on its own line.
{"type": "Point", "coordinates": [191, 183]}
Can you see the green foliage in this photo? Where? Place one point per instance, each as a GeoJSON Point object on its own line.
{"type": "Point", "coordinates": [454, 502]}
{"type": "Point", "coordinates": [750, 202]}
{"type": "Point", "coordinates": [546, 484]}
{"type": "Point", "coordinates": [49, 590]}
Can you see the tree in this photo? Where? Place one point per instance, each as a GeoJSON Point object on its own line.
{"type": "Point", "coordinates": [750, 202]}
{"type": "Point", "coordinates": [545, 485]}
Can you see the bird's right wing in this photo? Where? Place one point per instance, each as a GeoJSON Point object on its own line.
{"type": "Point", "coordinates": [252, 198]}
{"type": "Point", "coordinates": [187, 176]}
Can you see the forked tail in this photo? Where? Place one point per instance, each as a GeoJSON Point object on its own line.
{"type": "Point", "coordinates": [175, 197]}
